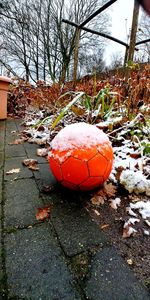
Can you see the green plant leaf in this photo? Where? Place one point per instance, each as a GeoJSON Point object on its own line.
{"type": "Point", "coordinates": [79, 95]}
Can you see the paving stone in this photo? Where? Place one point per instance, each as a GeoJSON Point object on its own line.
{"type": "Point", "coordinates": [111, 279]}
{"type": "Point", "coordinates": [14, 151]}
{"type": "Point", "coordinates": [18, 123]}
{"type": "Point", "coordinates": [16, 163]}
{"type": "Point", "coordinates": [31, 152]}
{"type": "Point", "coordinates": [10, 126]}
{"type": "Point", "coordinates": [11, 136]}
{"type": "Point", "coordinates": [44, 176]}
{"type": "Point", "coordinates": [21, 202]}
{"type": "Point", "coordinates": [35, 266]}
{"type": "Point", "coordinates": [76, 230]}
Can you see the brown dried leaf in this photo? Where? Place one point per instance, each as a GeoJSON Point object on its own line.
{"type": "Point", "coordinates": [135, 155]}
{"type": "Point", "coordinates": [33, 167]}
{"type": "Point", "coordinates": [18, 141]}
{"type": "Point", "coordinates": [128, 231]}
{"type": "Point", "coordinates": [119, 171]}
{"type": "Point", "coordinates": [31, 164]}
{"type": "Point", "coordinates": [104, 226]}
{"type": "Point", "coordinates": [43, 213]}
{"type": "Point", "coordinates": [27, 162]}
{"type": "Point", "coordinates": [130, 261]}
{"type": "Point", "coordinates": [42, 152]}
{"type": "Point", "coordinates": [97, 212]}
{"type": "Point", "coordinates": [37, 141]}
{"type": "Point", "coordinates": [13, 171]}
{"type": "Point", "coordinates": [110, 189]}
{"type": "Point", "coordinates": [41, 128]}
{"type": "Point", "coordinates": [97, 200]}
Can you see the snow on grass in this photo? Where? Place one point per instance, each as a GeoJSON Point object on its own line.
{"type": "Point", "coordinates": [135, 182]}
{"type": "Point", "coordinates": [142, 207]}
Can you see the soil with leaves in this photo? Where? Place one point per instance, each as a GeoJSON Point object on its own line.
{"type": "Point", "coordinates": [121, 108]}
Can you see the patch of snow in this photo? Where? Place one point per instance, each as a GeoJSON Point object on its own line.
{"type": "Point", "coordinates": [110, 121]}
{"type": "Point", "coordinates": [146, 232]}
{"type": "Point", "coordinates": [142, 207]}
{"type": "Point", "coordinates": [114, 203]}
{"type": "Point", "coordinates": [131, 212]}
{"type": "Point", "coordinates": [131, 221]}
{"type": "Point", "coordinates": [128, 230]}
{"type": "Point", "coordinates": [135, 182]}
{"type": "Point", "coordinates": [147, 222]}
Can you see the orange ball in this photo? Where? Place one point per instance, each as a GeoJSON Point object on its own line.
{"type": "Point", "coordinates": [81, 156]}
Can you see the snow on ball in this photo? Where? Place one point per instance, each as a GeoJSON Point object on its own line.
{"type": "Point", "coordinates": [81, 156]}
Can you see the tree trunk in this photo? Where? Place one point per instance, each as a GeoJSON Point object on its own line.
{"type": "Point", "coordinates": [76, 51]}
{"type": "Point", "coordinates": [64, 70]}
{"type": "Point", "coordinates": [133, 31]}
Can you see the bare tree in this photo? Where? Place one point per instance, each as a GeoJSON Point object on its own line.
{"type": "Point", "coordinates": [16, 34]}
{"type": "Point", "coordinates": [143, 34]}
{"type": "Point", "coordinates": [116, 61]}
{"type": "Point", "coordinates": [36, 40]}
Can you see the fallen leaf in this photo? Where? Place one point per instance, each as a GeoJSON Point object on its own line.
{"type": "Point", "coordinates": [42, 152]}
{"type": "Point", "coordinates": [17, 141]}
{"type": "Point", "coordinates": [96, 212]}
{"type": "Point", "coordinates": [43, 213]}
{"type": "Point", "coordinates": [110, 189]}
{"type": "Point", "coordinates": [31, 164]}
{"type": "Point", "coordinates": [41, 128]}
{"type": "Point", "coordinates": [128, 231]}
{"type": "Point", "coordinates": [33, 167]}
{"type": "Point", "coordinates": [27, 162]}
{"type": "Point", "coordinates": [135, 155]}
{"type": "Point", "coordinates": [104, 226]}
{"type": "Point", "coordinates": [119, 171]}
{"type": "Point", "coordinates": [13, 171]}
{"type": "Point", "coordinates": [130, 262]}
{"type": "Point", "coordinates": [37, 141]}
{"type": "Point", "coordinates": [97, 200]}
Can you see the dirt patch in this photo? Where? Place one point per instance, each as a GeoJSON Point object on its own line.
{"type": "Point", "coordinates": [135, 249]}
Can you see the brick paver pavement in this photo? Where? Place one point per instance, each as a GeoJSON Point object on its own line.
{"type": "Point", "coordinates": [64, 258]}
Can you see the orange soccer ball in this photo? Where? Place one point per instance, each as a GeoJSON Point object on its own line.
{"type": "Point", "coordinates": [81, 156]}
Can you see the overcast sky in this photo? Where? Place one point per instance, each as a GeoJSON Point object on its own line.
{"type": "Point", "coordinates": [121, 14]}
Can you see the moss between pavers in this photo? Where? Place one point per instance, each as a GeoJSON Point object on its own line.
{"type": "Point", "coordinates": [10, 230]}
{"type": "Point", "coordinates": [81, 263]}
{"type": "Point", "coordinates": [3, 284]}
{"type": "Point", "coordinates": [147, 282]}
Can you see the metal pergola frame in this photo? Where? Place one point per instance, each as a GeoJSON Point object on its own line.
{"type": "Point", "coordinates": [101, 9]}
